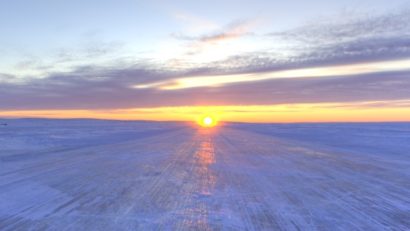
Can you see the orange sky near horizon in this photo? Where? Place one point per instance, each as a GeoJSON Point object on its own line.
{"type": "Point", "coordinates": [287, 113]}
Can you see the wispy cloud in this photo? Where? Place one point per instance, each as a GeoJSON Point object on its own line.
{"type": "Point", "coordinates": [113, 89]}
{"type": "Point", "coordinates": [87, 52]}
{"type": "Point", "coordinates": [220, 80]}
{"type": "Point", "coordinates": [232, 31]}
{"type": "Point", "coordinates": [341, 30]}
{"type": "Point", "coordinates": [360, 66]}
{"type": "Point", "coordinates": [215, 45]}
{"type": "Point", "coordinates": [364, 38]}
{"type": "Point", "coordinates": [360, 39]}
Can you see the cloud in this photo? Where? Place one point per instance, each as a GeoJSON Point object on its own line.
{"type": "Point", "coordinates": [112, 90]}
{"type": "Point", "coordinates": [338, 42]}
{"type": "Point", "coordinates": [232, 31]}
{"type": "Point", "coordinates": [7, 78]}
{"type": "Point", "coordinates": [214, 41]}
{"type": "Point", "coordinates": [331, 31]}
{"type": "Point", "coordinates": [374, 104]}
{"type": "Point", "coordinates": [327, 42]}
{"type": "Point", "coordinates": [220, 80]}
{"type": "Point", "coordinates": [368, 38]}
{"type": "Point", "coordinates": [93, 86]}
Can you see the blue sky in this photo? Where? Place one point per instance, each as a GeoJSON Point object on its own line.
{"type": "Point", "coordinates": [129, 54]}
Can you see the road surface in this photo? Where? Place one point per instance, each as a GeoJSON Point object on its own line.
{"type": "Point", "coordinates": [226, 178]}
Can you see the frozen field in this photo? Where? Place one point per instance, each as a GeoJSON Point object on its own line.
{"type": "Point", "coordinates": [106, 175]}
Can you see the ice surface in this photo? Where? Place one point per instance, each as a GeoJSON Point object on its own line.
{"type": "Point", "coordinates": [110, 175]}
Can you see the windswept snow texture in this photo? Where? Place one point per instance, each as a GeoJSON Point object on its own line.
{"type": "Point", "coordinates": [107, 175]}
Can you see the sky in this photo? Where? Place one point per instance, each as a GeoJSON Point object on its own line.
{"type": "Point", "coordinates": [247, 61]}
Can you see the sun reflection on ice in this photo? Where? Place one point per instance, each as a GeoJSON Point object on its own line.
{"type": "Point", "coordinates": [199, 203]}
{"type": "Point", "coordinates": [205, 157]}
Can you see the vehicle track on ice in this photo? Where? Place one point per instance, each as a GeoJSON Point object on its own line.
{"type": "Point", "coordinates": [204, 179]}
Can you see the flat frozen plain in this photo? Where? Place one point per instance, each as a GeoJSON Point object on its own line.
{"type": "Point", "coordinates": [110, 175]}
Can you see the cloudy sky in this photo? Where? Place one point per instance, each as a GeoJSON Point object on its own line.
{"type": "Point", "coordinates": [259, 60]}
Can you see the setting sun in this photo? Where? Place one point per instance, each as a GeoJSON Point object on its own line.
{"type": "Point", "coordinates": [207, 121]}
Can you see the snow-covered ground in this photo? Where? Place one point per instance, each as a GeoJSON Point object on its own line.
{"type": "Point", "coordinates": [108, 175]}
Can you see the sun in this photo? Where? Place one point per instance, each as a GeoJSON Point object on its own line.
{"type": "Point", "coordinates": [207, 121]}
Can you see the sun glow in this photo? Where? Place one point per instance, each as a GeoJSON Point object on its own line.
{"type": "Point", "coordinates": [207, 121]}
{"type": "Point", "coordinates": [365, 111]}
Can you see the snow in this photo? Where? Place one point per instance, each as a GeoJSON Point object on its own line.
{"type": "Point", "coordinates": [113, 175]}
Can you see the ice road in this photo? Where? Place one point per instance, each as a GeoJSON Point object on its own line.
{"type": "Point", "coordinates": [107, 175]}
